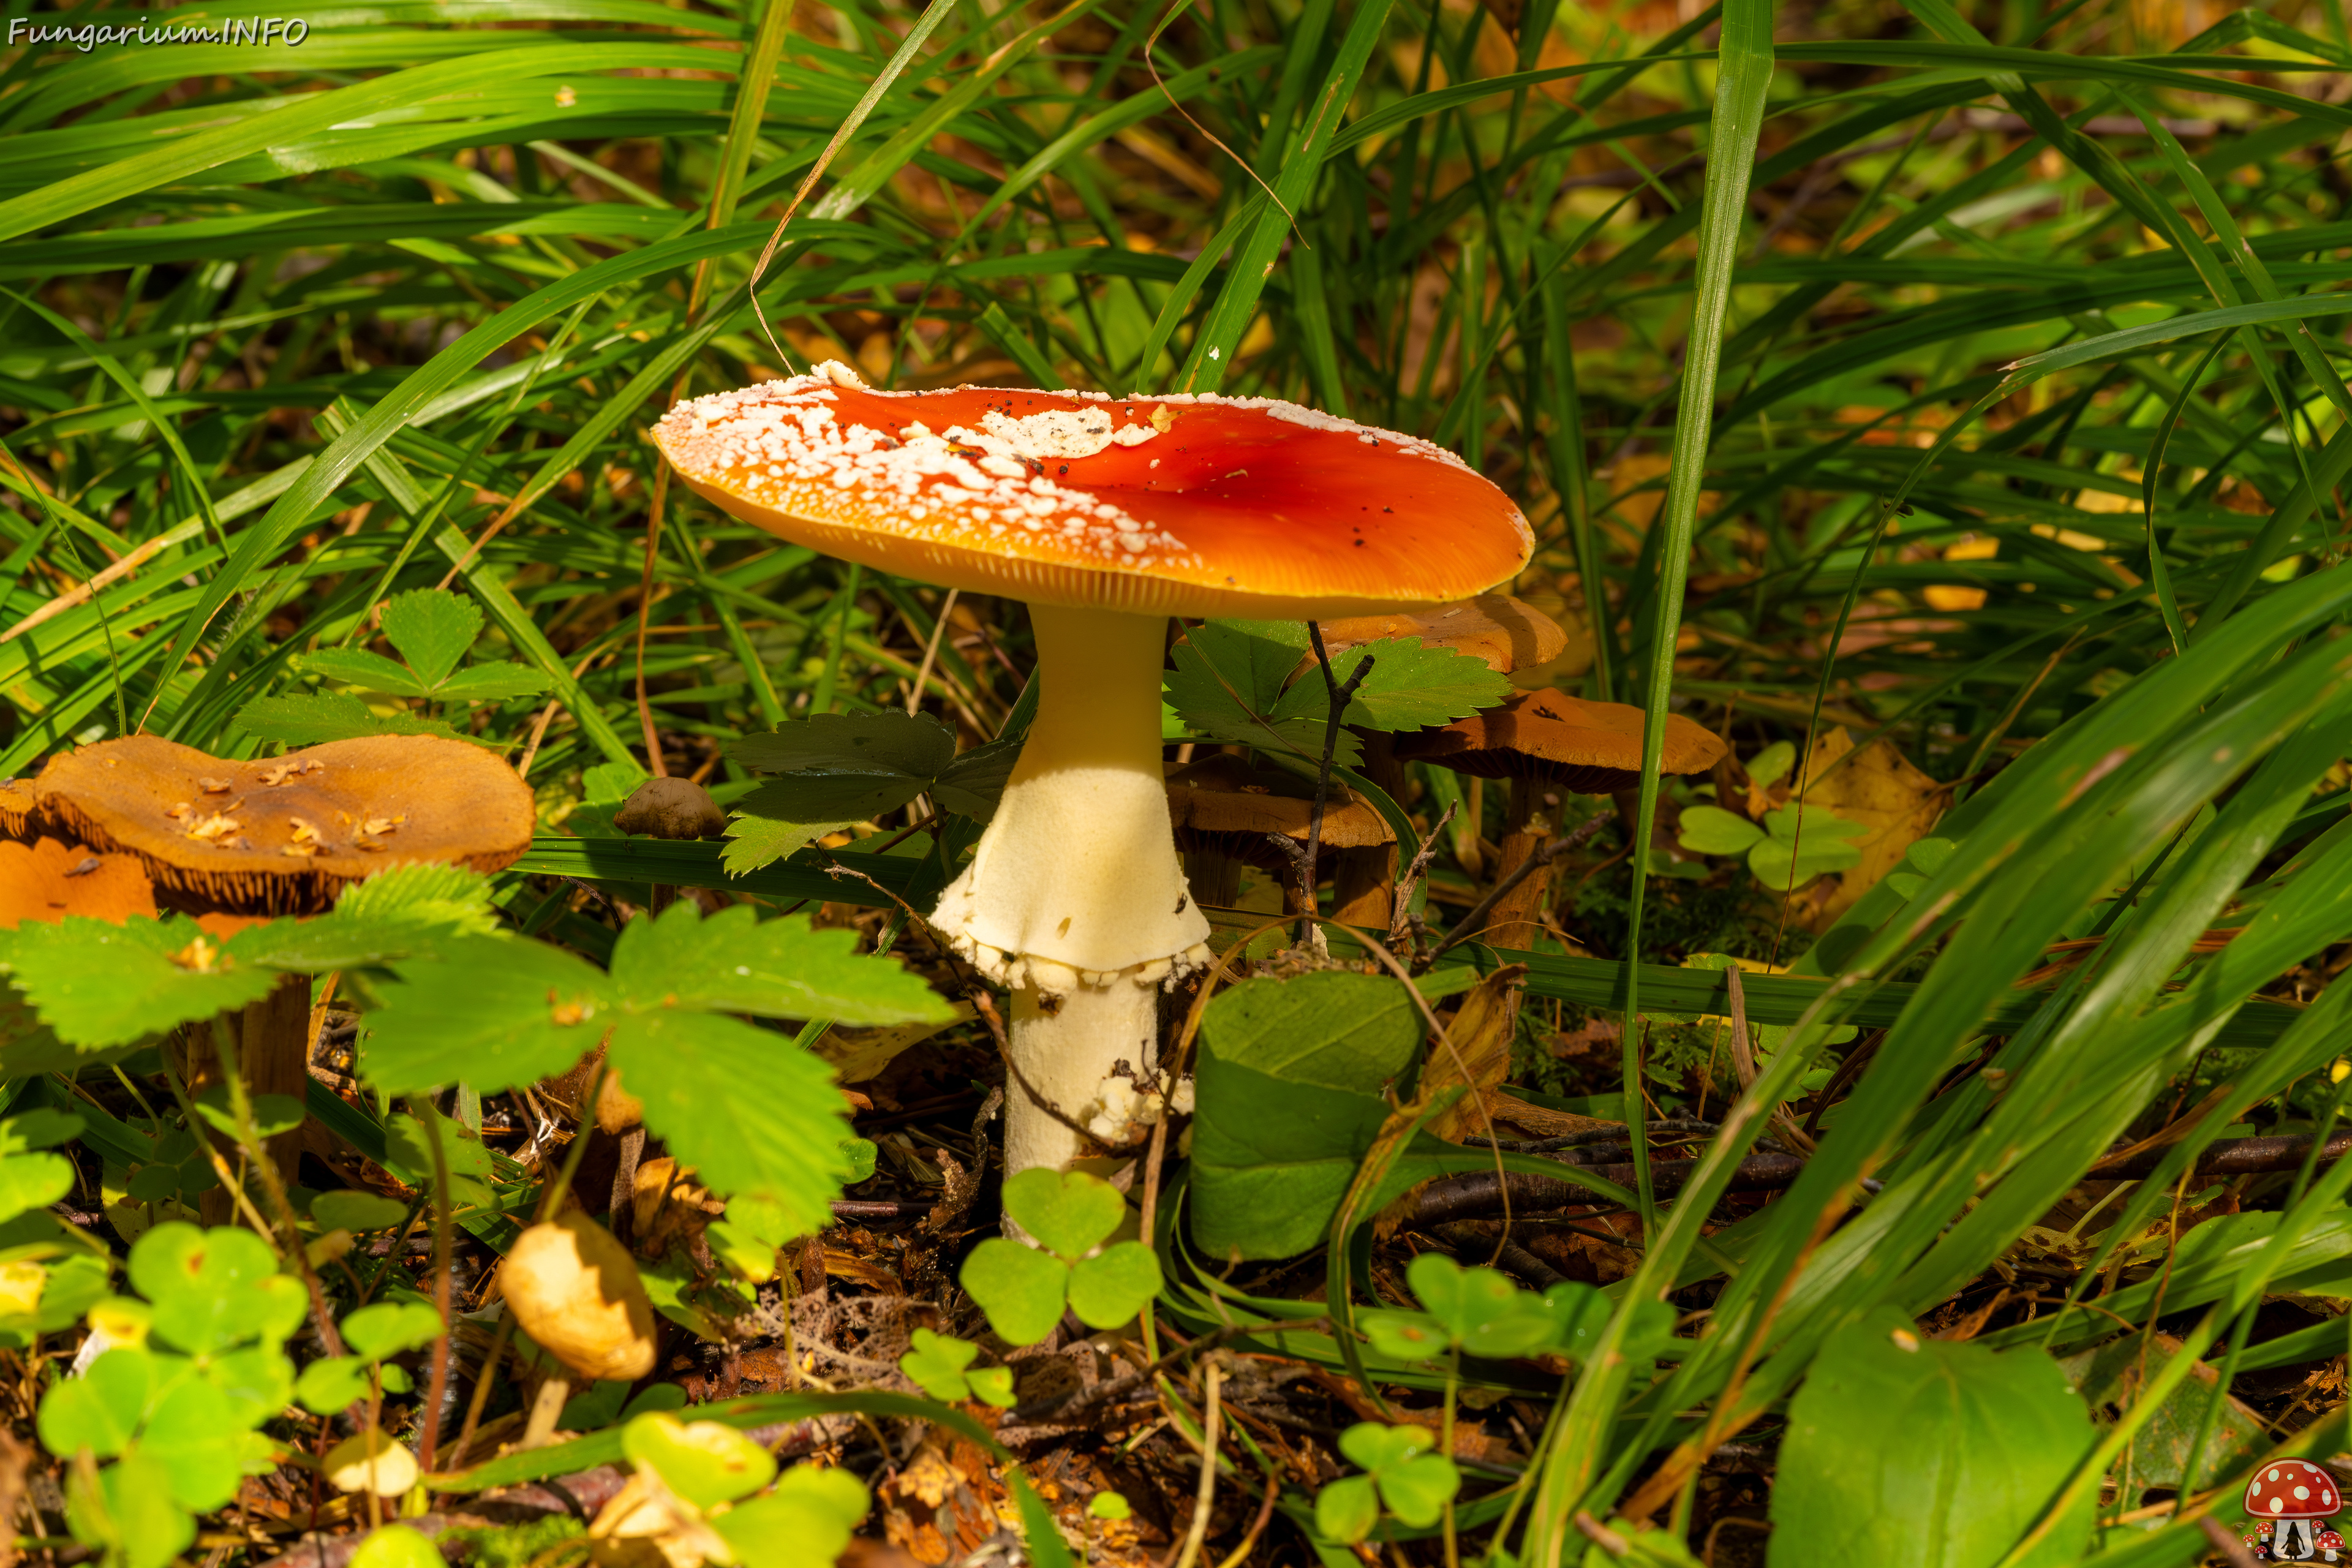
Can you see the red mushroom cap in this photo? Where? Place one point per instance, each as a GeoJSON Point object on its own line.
{"type": "Point", "coordinates": [1180, 505]}
{"type": "Point", "coordinates": [2293, 1488]}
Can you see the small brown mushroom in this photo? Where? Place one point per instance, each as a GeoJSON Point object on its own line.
{"type": "Point", "coordinates": [48, 879]}
{"type": "Point", "coordinates": [346, 811]}
{"type": "Point", "coordinates": [1225, 813]}
{"type": "Point", "coordinates": [671, 808]}
{"type": "Point", "coordinates": [1508, 634]}
{"type": "Point", "coordinates": [1546, 743]}
{"type": "Point", "coordinates": [233, 842]}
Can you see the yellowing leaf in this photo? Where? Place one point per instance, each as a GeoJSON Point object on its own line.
{"type": "Point", "coordinates": [1879, 788]}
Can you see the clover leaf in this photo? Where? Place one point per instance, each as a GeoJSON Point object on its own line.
{"type": "Point", "coordinates": [705, 1463]}
{"type": "Point", "coordinates": [1023, 1291]}
{"type": "Point", "coordinates": [1482, 1311]}
{"type": "Point", "coordinates": [1400, 1474]}
{"type": "Point", "coordinates": [1796, 843]}
{"type": "Point", "coordinates": [806, 1519]}
{"type": "Point", "coordinates": [941, 1367]}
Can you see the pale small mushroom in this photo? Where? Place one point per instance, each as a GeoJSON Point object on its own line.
{"type": "Point", "coordinates": [1507, 634]}
{"type": "Point", "coordinates": [2292, 1496]}
{"type": "Point", "coordinates": [1107, 516]}
{"type": "Point", "coordinates": [575, 1291]}
{"type": "Point", "coordinates": [235, 842]}
{"type": "Point", "coordinates": [1547, 743]}
{"type": "Point", "coordinates": [1227, 814]}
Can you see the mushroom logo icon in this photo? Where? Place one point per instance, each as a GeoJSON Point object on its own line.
{"type": "Point", "coordinates": [2292, 1496]}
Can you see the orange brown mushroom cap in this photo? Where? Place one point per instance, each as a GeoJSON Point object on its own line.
{"type": "Point", "coordinates": [1222, 803]}
{"type": "Point", "coordinates": [282, 836]}
{"type": "Point", "coordinates": [1173, 505]}
{"type": "Point", "coordinates": [1505, 632]}
{"type": "Point", "coordinates": [1593, 748]}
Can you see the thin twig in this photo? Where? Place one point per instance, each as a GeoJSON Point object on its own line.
{"type": "Point", "coordinates": [1208, 1492]}
{"type": "Point", "coordinates": [1399, 921]}
{"type": "Point", "coordinates": [1340, 694]}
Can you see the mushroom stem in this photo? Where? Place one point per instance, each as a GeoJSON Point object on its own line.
{"type": "Point", "coordinates": [1516, 917]}
{"type": "Point", "coordinates": [273, 1047]}
{"type": "Point", "coordinates": [1074, 898]}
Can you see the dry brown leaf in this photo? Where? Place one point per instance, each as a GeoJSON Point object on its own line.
{"type": "Point", "coordinates": [1879, 788]}
{"type": "Point", "coordinates": [1481, 1031]}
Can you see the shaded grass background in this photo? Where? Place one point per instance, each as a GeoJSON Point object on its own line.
{"type": "Point", "coordinates": [288, 328]}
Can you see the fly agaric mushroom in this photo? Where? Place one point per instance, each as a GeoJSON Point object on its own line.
{"type": "Point", "coordinates": [1507, 634]}
{"type": "Point", "coordinates": [235, 842]}
{"type": "Point", "coordinates": [1226, 815]}
{"type": "Point", "coordinates": [1546, 743]}
{"type": "Point", "coordinates": [2291, 1495]}
{"type": "Point", "coordinates": [1107, 516]}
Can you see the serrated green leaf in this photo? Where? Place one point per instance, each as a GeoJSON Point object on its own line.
{"type": "Point", "coordinates": [432, 627]}
{"type": "Point", "coordinates": [1228, 676]}
{"type": "Point", "coordinates": [825, 797]}
{"type": "Point", "coordinates": [357, 666]}
{"type": "Point", "coordinates": [1411, 687]}
{"type": "Point", "coordinates": [733, 962]}
{"type": "Point", "coordinates": [489, 1010]}
{"type": "Point", "coordinates": [1711, 830]}
{"type": "Point", "coordinates": [99, 984]}
{"type": "Point", "coordinates": [755, 1115]}
{"type": "Point", "coordinates": [490, 683]}
{"type": "Point", "coordinates": [1020, 1288]}
{"type": "Point", "coordinates": [753, 841]}
{"type": "Point", "coordinates": [1110, 1288]}
{"type": "Point", "coordinates": [317, 717]}
{"type": "Point", "coordinates": [975, 782]}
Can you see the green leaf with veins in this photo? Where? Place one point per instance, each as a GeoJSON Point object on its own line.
{"type": "Point", "coordinates": [490, 1010]}
{"type": "Point", "coordinates": [95, 984]}
{"type": "Point", "coordinates": [754, 1115]}
{"type": "Point", "coordinates": [315, 718]}
{"type": "Point", "coordinates": [756, 841]}
{"type": "Point", "coordinates": [840, 768]}
{"type": "Point", "coordinates": [1234, 680]}
{"type": "Point", "coordinates": [491, 682]}
{"type": "Point", "coordinates": [733, 962]}
{"type": "Point", "coordinates": [357, 666]}
{"type": "Point", "coordinates": [432, 627]}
